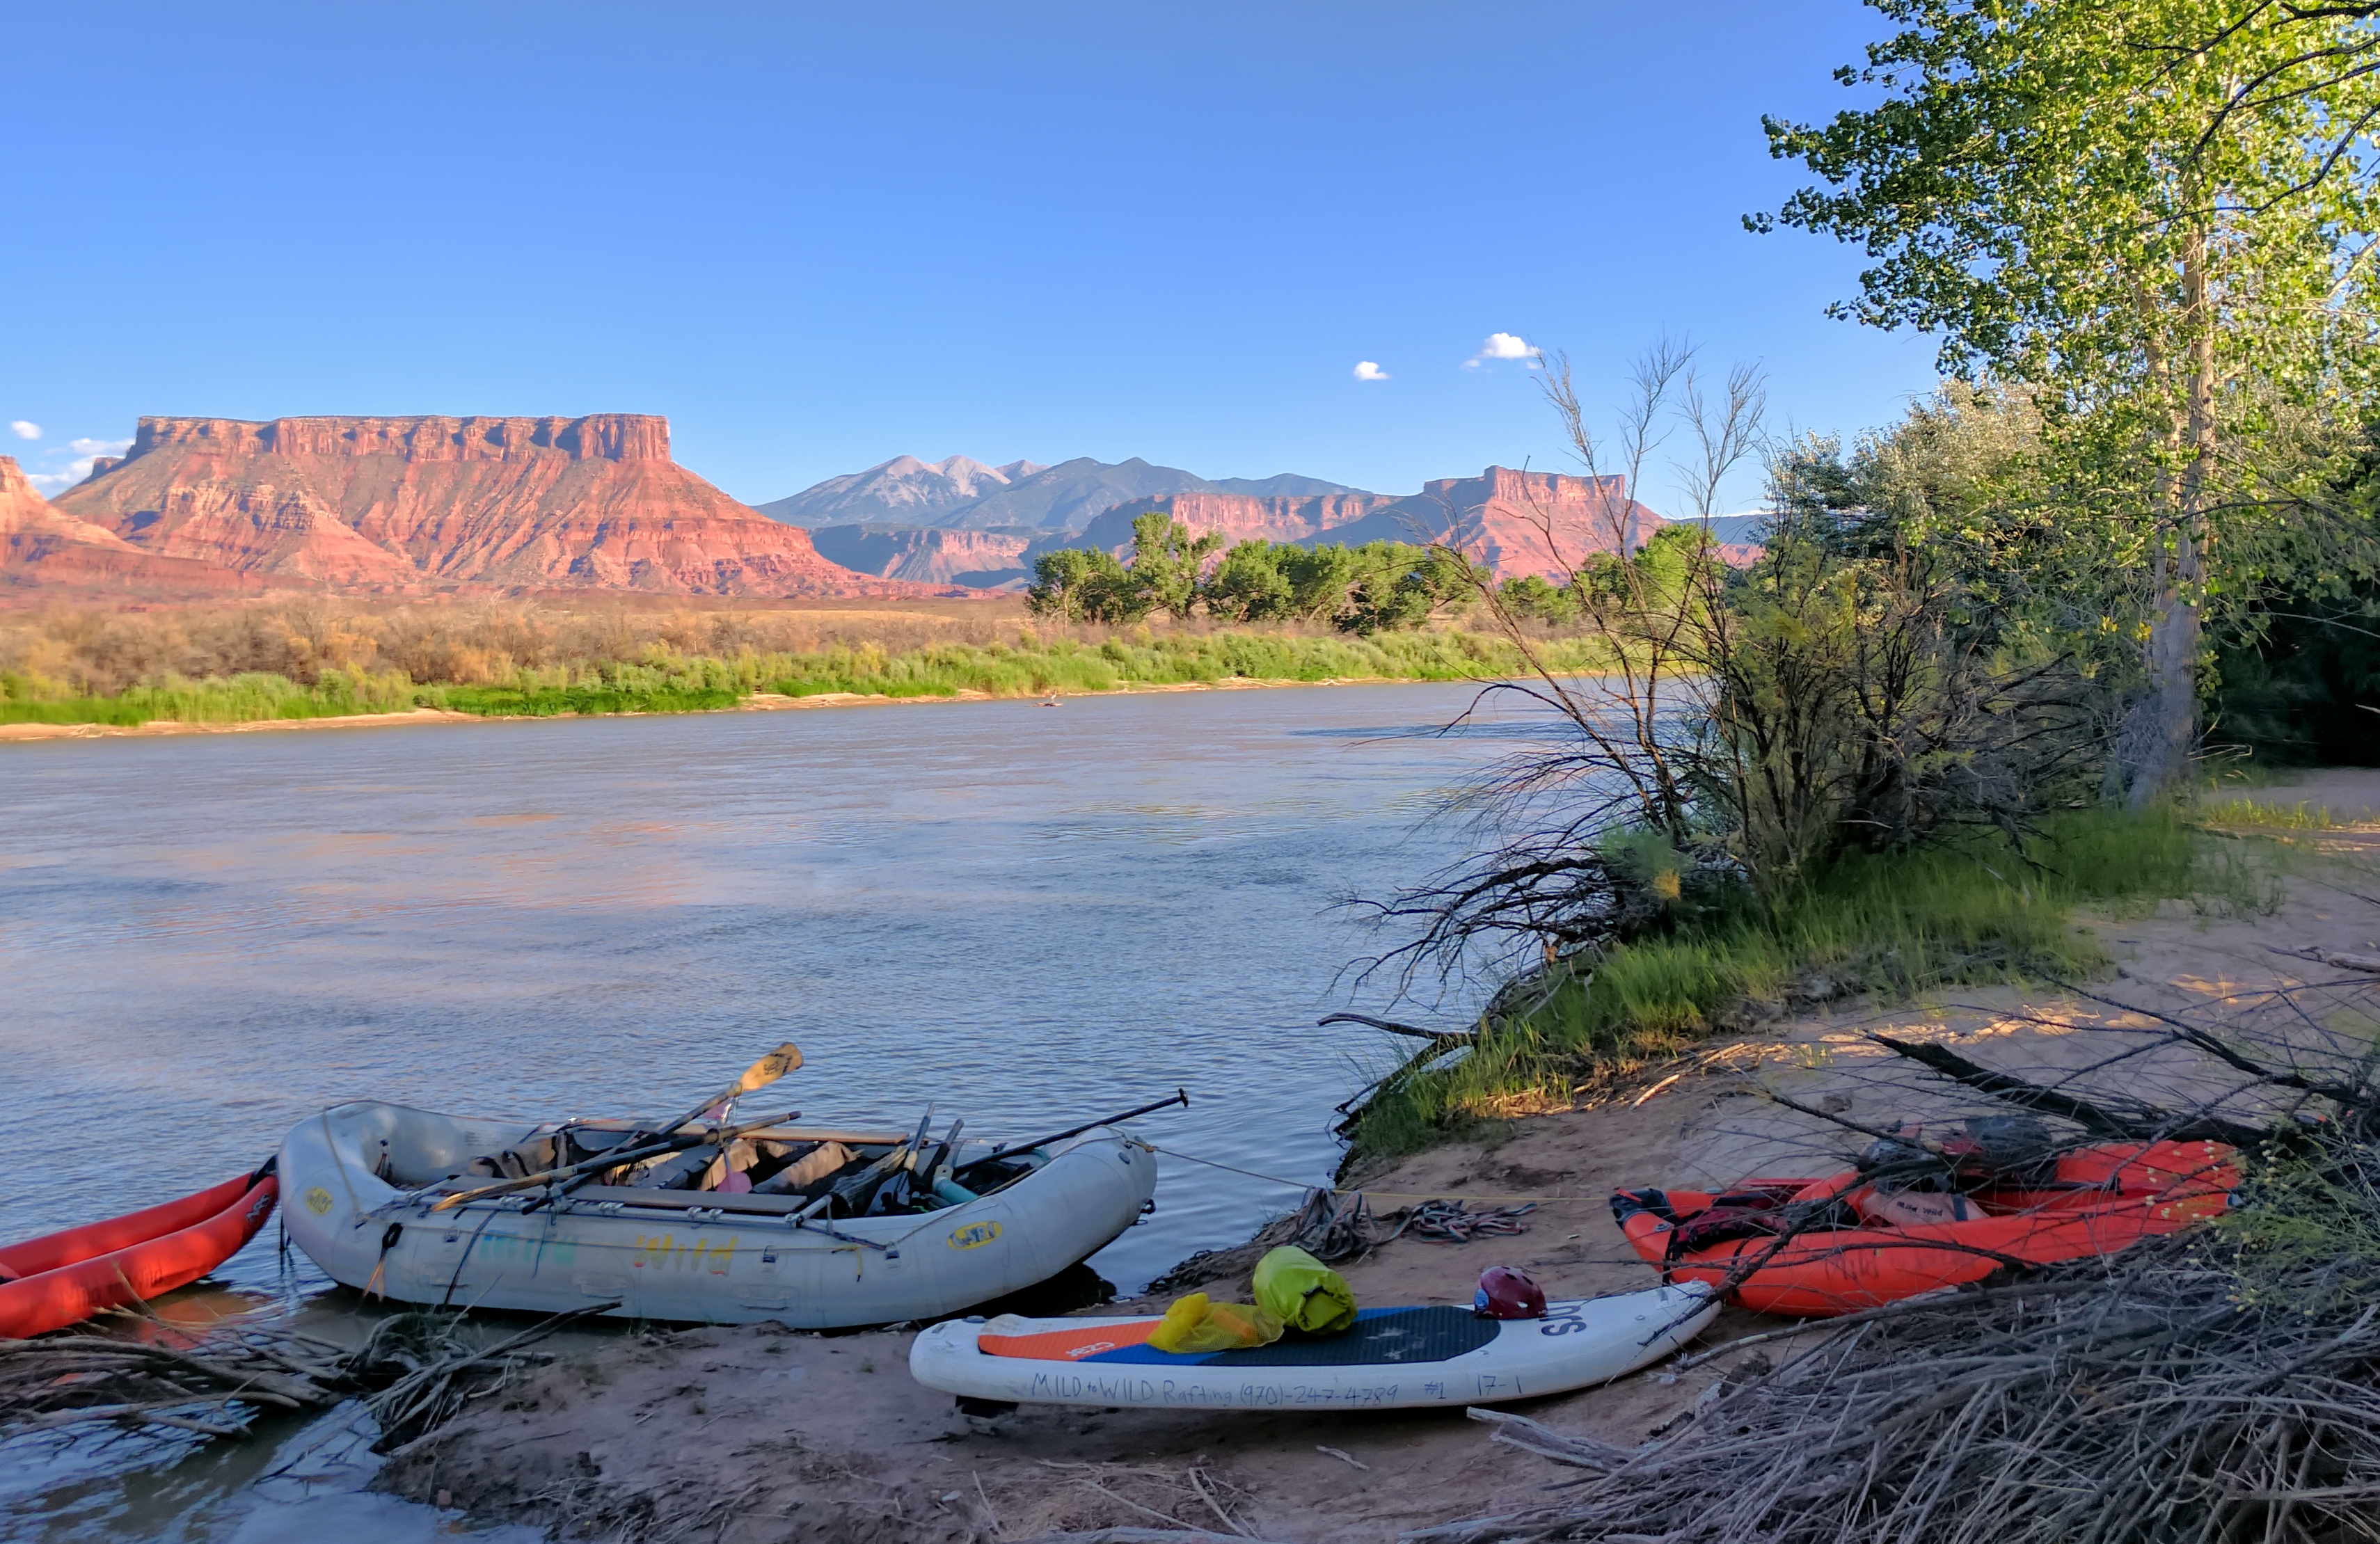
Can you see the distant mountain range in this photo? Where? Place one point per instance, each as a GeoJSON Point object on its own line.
{"type": "Point", "coordinates": [431, 503]}
{"type": "Point", "coordinates": [961, 494]}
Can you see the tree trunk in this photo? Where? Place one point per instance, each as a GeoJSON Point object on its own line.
{"type": "Point", "coordinates": [2169, 726]}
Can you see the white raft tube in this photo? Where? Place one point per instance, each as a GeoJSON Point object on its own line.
{"type": "Point", "coordinates": [733, 1259]}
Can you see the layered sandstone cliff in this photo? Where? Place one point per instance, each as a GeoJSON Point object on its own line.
{"type": "Point", "coordinates": [1235, 516]}
{"type": "Point", "coordinates": [43, 547]}
{"type": "Point", "coordinates": [395, 505]}
{"type": "Point", "coordinates": [1515, 522]}
{"type": "Point", "coordinates": [927, 555]}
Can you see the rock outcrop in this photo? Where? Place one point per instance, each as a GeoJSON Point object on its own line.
{"type": "Point", "coordinates": [401, 504]}
{"type": "Point", "coordinates": [1502, 517]}
{"type": "Point", "coordinates": [43, 547]}
{"type": "Point", "coordinates": [928, 555]}
{"type": "Point", "coordinates": [1515, 522]}
{"type": "Point", "coordinates": [1236, 517]}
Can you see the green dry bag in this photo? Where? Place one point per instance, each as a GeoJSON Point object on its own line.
{"type": "Point", "coordinates": [1305, 1293]}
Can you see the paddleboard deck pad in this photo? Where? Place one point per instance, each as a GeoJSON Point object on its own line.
{"type": "Point", "coordinates": [1392, 1358]}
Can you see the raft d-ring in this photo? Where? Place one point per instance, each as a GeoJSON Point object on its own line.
{"type": "Point", "coordinates": [1148, 1206]}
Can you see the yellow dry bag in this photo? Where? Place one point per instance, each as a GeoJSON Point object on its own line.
{"type": "Point", "coordinates": [1304, 1292]}
{"type": "Point", "coordinates": [1194, 1323]}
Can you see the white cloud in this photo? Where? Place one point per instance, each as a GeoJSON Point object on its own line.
{"type": "Point", "coordinates": [1367, 371]}
{"type": "Point", "coordinates": [25, 430]}
{"type": "Point", "coordinates": [1501, 345]}
{"type": "Point", "coordinates": [72, 472]}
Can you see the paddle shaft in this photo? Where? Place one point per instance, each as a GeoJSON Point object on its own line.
{"type": "Point", "coordinates": [1180, 1096]}
{"type": "Point", "coordinates": [759, 1074]}
{"type": "Point", "coordinates": [607, 1161]}
{"type": "Point", "coordinates": [676, 1144]}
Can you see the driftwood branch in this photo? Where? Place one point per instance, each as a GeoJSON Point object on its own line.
{"type": "Point", "coordinates": [1393, 1027]}
{"type": "Point", "coordinates": [413, 1373]}
{"type": "Point", "coordinates": [2148, 1125]}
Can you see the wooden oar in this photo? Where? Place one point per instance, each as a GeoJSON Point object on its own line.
{"type": "Point", "coordinates": [600, 1161]}
{"type": "Point", "coordinates": [759, 1074]}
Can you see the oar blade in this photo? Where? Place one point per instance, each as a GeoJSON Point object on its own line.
{"type": "Point", "coordinates": [770, 1068]}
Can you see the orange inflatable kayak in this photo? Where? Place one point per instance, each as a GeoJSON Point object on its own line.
{"type": "Point", "coordinates": [1813, 1248]}
{"type": "Point", "coordinates": [64, 1278]}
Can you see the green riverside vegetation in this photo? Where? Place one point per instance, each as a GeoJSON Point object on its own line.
{"type": "Point", "coordinates": [677, 683]}
{"type": "Point", "coordinates": [1894, 925]}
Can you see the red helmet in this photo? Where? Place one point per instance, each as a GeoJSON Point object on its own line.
{"type": "Point", "coordinates": [1505, 1293]}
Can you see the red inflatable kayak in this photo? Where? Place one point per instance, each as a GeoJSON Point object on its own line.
{"type": "Point", "coordinates": [1813, 1248]}
{"type": "Point", "coordinates": [64, 1278]}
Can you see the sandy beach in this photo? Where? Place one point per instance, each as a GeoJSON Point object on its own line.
{"type": "Point", "coordinates": [759, 1433]}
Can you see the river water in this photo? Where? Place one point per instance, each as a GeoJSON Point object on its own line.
{"type": "Point", "coordinates": [1028, 914]}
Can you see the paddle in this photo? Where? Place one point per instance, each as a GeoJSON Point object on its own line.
{"type": "Point", "coordinates": [860, 1189]}
{"type": "Point", "coordinates": [943, 1154]}
{"type": "Point", "coordinates": [755, 1076]}
{"type": "Point", "coordinates": [759, 1074]}
{"type": "Point", "coordinates": [602, 1160]}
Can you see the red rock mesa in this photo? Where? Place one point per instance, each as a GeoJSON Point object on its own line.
{"type": "Point", "coordinates": [409, 505]}
{"type": "Point", "coordinates": [42, 547]}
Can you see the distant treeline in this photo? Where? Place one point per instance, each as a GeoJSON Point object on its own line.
{"type": "Point", "coordinates": [1377, 587]}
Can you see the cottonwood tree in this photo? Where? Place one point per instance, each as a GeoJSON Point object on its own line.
{"type": "Point", "coordinates": [2156, 214]}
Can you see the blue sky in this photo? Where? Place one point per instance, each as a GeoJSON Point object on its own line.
{"type": "Point", "coordinates": [817, 236]}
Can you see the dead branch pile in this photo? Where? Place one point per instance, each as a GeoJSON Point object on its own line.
{"type": "Point", "coordinates": [2210, 1387]}
{"type": "Point", "coordinates": [414, 1372]}
{"type": "Point", "coordinates": [68, 1380]}
{"type": "Point", "coordinates": [2150, 1405]}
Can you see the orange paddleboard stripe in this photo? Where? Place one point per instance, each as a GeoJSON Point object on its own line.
{"type": "Point", "coordinates": [1069, 1345]}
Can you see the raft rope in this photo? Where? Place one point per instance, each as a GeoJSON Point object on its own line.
{"type": "Point", "coordinates": [1366, 1191]}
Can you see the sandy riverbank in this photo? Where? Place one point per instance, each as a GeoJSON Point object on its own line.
{"type": "Point", "coordinates": [760, 702]}
{"type": "Point", "coordinates": [757, 1434]}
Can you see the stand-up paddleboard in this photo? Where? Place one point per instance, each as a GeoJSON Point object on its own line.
{"type": "Point", "coordinates": [1392, 1358]}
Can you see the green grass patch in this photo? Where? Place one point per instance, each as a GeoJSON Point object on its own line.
{"type": "Point", "coordinates": [2249, 813]}
{"type": "Point", "coordinates": [553, 702]}
{"type": "Point", "coordinates": [1890, 925]}
{"type": "Point", "coordinates": [244, 699]}
{"type": "Point", "coordinates": [1063, 666]}
{"type": "Point", "coordinates": [666, 683]}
